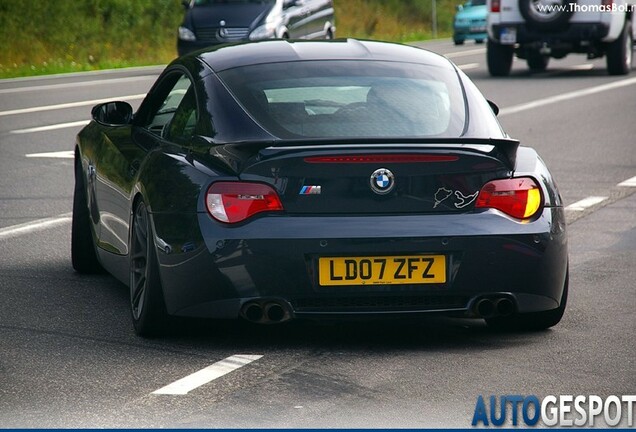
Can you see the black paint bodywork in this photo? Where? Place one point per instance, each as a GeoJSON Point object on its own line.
{"type": "Point", "coordinates": [210, 269]}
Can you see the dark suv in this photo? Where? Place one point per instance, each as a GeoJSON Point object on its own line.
{"type": "Point", "coordinates": [212, 22]}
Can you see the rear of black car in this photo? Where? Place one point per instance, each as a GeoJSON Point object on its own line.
{"type": "Point", "coordinates": [389, 188]}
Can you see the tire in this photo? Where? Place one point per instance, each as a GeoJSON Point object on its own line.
{"type": "Point", "coordinates": [458, 41]}
{"type": "Point", "coordinates": [619, 53]}
{"type": "Point", "coordinates": [83, 252]}
{"type": "Point", "coordinates": [499, 58]}
{"type": "Point", "coordinates": [479, 41]}
{"type": "Point", "coordinates": [534, 321]}
{"type": "Point", "coordinates": [537, 62]}
{"type": "Point", "coordinates": [541, 20]}
{"type": "Point", "coordinates": [147, 305]}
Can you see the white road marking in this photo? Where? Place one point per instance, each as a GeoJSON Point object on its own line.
{"type": "Point", "coordinates": [38, 225]}
{"type": "Point", "coordinates": [69, 105]}
{"type": "Point", "coordinates": [50, 127]}
{"type": "Point", "coordinates": [585, 203]}
{"type": "Point", "coordinates": [66, 154]}
{"type": "Point", "coordinates": [628, 183]}
{"type": "Point", "coordinates": [204, 376]}
{"type": "Point", "coordinates": [567, 96]}
{"type": "Point", "coordinates": [468, 66]}
{"type": "Point", "coordinates": [466, 53]}
{"type": "Point", "coordinates": [77, 84]}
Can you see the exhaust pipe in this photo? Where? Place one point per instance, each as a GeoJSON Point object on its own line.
{"type": "Point", "coordinates": [485, 308]}
{"type": "Point", "coordinates": [261, 312]}
{"type": "Point", "coordinates": [253, 312]}
{"type": "Point", "coordinates": [505, 306]}
{"type": "Point", "coordinates": [275, 312]}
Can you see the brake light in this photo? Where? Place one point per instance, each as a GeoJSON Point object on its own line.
{"type": "Point", "coordinates": [382, 158]}
{"type": "Point", "coordinates": [233, 202]}
{"type": "Point", "coordinates": [495, 6]}
{"type": "Point", "coordinates": [517, 197]}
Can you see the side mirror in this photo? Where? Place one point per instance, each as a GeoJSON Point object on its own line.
{"type": "Point", "coordinates": [186, 4]}
{"type": "Point", "coordinates": [493, 107]}
{"type": "Point", "coordinates": [459, 8]}
{"type": "Point", "coordinates": [113, 113]}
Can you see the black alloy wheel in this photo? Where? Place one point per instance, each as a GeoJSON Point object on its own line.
{"type": "Point", "coordinates": [146, 296]}
{"type": "Point", "coordinates": [83, 252]}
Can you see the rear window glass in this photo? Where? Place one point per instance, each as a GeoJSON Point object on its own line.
{"type": "Point", "coordinates": [330, 99]}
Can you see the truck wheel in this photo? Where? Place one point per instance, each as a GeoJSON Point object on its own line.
{"type": "Point", "coordinates": [499, 58]}
{"type": "Point", "coordinates": [619, 52]}
{"type": "Point", "coordinates": [537, 16]}
{"type": "Point", "coordinates": [537, 62]}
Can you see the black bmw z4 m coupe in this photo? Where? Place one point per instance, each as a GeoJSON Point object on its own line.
{"type": "Point", "coordinates": [282, 180]}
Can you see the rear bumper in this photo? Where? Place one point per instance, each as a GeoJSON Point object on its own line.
{"type": "Point", "coordinates": [275, 258]}
{"type": "Point", "coordinates": [465, 32]}
{"type": "Point", "coordinates": [573, 34]}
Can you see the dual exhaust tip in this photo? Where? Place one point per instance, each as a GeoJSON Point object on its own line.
{"type": "Point", "coordinates": [491, 307]}
{"type": "Point", "coordinates": [266, 312]}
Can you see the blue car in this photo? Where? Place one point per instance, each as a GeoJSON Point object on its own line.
{"type": "Point", "coordinates": [470, 22]}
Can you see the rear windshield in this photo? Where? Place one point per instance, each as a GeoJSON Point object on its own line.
{"type": "Point", "coordinates": [331, 99]}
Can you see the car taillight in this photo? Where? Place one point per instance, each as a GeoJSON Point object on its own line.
{"type": "Point", "coordinates": [233, 202]}
{"type": "Point", "coordinates": [495, 6]}
{"type": "Point", "coordinates": [518, 197]}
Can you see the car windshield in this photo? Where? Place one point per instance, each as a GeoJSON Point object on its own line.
{"type": "Point", "coordinates": [330, 99]}
{"type": "Point", "coordinates": [477, 2]}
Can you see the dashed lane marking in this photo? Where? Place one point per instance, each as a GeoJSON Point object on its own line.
{"type": "Point", "coordinates": [50, 127]}
{"type": "Point", "coordinates": [66, 154]}
{"type": "Point", "coordinates": [204, 376]}
{"type": "Point", "coordinates": [38, 225]}
{"type": "Point", "coordinates": [69, 105]}
{"type": "Point", "coordinates": [567, 96]}
{"type": "Point", "coordinates": [468, 66]}
{"type": "Point", "coordinates": [109, 81]}
{"type": "Point", "coordinates": [628, 183]}
{"type": "Point", "coordinates": [465, 53]}
{"type": "Point", "coordinates": [586, 203]}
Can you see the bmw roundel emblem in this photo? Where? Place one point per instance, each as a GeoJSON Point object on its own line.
{"type": "Point", "coordinates": [382, 181]}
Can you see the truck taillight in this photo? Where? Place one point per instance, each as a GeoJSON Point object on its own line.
{"type": "Point", "coordinates": [233, 202]}
{"type": "Point", "coordinates": [495, 6]}
{"type": "Point", "coordinates": [519, 197]}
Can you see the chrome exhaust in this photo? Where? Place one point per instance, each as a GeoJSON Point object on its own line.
{"type": "Point", "coordinates": [266, 312]}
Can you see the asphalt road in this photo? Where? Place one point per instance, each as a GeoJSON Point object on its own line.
{"type": "Point", "coordinates": [69, 357]}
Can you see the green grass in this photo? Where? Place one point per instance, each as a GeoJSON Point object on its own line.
{"type": "Point", "coordinates": [41, 37]}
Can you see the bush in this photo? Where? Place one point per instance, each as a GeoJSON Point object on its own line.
{"type": "Point", "coordinates": [51, 36]}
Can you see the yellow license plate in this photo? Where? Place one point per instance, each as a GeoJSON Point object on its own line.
{"type": "Point", "coordinates": [382, 270]}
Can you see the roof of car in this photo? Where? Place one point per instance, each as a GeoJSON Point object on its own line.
{"type": "Point", "coordinates": [276, 51]}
